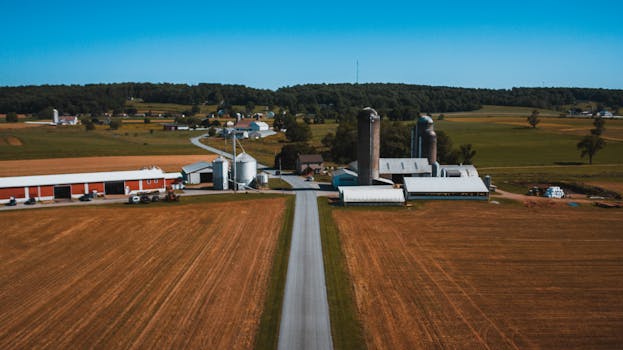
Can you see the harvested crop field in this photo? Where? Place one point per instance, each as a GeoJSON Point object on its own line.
{"type": "Point", "coordinates": [94, 164]}
{"type": "Point", "coordinates": [475, 275]}
{"type": "Point", "coordinates": [163, 276]}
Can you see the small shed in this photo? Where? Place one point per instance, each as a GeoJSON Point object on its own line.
{"type": "Point", "coordinates": [196, 173]}
{"type": "Point", "coordinates": [371, 195]}
{"type": "Point", "coordinates": [344, 177]}
{"type": "Point", "coordinates": [304, 162]}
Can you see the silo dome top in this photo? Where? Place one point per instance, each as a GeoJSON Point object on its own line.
{"type": "Point", "coordinates": [425, 119]}
{"type": "Point", "coordinates": [368, 113]}
{"type": "Point", "coordinates": [244, 157]}
{"type": "Point", "coordinates": [219, 159]}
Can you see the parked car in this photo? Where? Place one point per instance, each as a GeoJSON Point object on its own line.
{"type": "Point", "coordinates": [12, 202]}
{"type": "Point", "coordinates": [85, 198]}
{"type": "Point", "coordinates": [30, 201]}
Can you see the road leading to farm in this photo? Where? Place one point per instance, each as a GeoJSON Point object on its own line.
{"type": "Point", "coordinates": [305, 320]}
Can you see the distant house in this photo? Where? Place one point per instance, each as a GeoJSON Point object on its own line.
{"type": "Point", "coordinates": [259, 126]}
{"type": "Point", "coordinates": [304, 162]}
{"type": "Point", "coordinates": [229, 124]}
{"type": "Point", "coordinates": [68, 120]}
{"type": "Point", "coordinates": [606, 114]}
{"type": "Point", "coordinates": [173, 127]}
{"type": "Point", "coordinates": [244, 125]}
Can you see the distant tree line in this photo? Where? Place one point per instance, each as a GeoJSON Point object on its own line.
{"type": "Point", "coordinates": [324, 101]}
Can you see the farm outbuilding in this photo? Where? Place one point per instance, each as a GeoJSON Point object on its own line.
{"type": "Point", "coordinates": [307, 162]}
{"type": "Point", "coordinates": [371, 195]}
{"type": "Point", "coordinates": [196, 173]}
{"type": "Point", "coordinates": [467, 187]}
{"type": "Point", "coordinates": [344, 177]}
{"type": "Point", "coordinates": [67, 186]}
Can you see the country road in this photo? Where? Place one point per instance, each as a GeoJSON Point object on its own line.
{"type": "Point", "coordinates": [305, 320]}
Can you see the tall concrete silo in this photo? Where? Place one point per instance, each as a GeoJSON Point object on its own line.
{"type": "Point", "coordinates": [220, 169]}
{"type": "Point", "coordinates": [368, 145]}
{"type": "Point", "coordinates": [424, 140]}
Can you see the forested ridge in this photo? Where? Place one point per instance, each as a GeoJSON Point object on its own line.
{"type": "Point", "coordinates": [399, 101]}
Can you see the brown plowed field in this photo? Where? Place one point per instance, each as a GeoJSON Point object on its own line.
{"type": "Point", "coordinates": [475, 275]}
{"type": "Point", "coordinates": [95, 164]}
{"type": "Point", "coordinates": [174, 277]}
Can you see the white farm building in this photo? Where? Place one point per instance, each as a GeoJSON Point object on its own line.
{"type": "Point", "coordinates": [371, 195]}
{"type": "Point", "coordinates": [196, 173]}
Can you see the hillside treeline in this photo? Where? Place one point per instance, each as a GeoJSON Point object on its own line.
{"type": "Point", "coordinates": [398, 101]}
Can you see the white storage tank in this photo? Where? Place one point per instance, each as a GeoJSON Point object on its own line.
{"type": "Point", "coordinates": [262, 179]}
{"type": "Point", "coordinates": [246, 169]}
{"type": "Point", "coordinates": [220, 177]}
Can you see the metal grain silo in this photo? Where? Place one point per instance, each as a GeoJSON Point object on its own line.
{"type": "Point", "coordinates": [246, 169]}
{"type": "Point", "coordinates": [220, 168]}
{"type": "Point", "coordinates": [424, 140]}
{"type": "Point", "coordinates": [368, 145]}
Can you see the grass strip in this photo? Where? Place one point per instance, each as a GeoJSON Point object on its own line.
{"type": "Point", "coordinates": [268, 331]}
{"type": "Point", "coordinates": [346, 328]}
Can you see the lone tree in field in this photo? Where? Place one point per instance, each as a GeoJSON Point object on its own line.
{"type": "Point", "coordinates": [590, 145]}
{"type": "Point", "coordinates": [533, 119]}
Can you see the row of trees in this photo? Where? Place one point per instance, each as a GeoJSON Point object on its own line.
{"type": "Point", "coordinates": [397, 101]}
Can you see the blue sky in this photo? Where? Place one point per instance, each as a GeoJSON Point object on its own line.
{"type": "Point", "coordinates": [489, 44]}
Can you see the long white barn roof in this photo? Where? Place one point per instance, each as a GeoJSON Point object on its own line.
{"type": "Point", "coordinates": [399, 166]}
{"type": "Point", "coordinates": [60, 179]}
{"type": "Point", "coordinates": [444, 184]}
{"type": "Point", "coordinates": [371, 194]}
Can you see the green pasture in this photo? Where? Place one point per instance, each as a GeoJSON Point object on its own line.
{"type": "Point", "coordinates": [507, 144]}
{"type": "Point", "coordinates": [75, 141]}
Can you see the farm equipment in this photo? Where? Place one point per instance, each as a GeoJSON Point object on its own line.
{"type": "Point", "coordinates": [30, 201]}
{"type": "Point", "coordinates": [134, 199]}
{"type": "Point", "coordinates": [12, 202]}
{"type": "Point", "coordinates": [171, 196]}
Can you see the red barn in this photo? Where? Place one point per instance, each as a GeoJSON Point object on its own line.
{"type": "Point", "coordinates": [49, 187]}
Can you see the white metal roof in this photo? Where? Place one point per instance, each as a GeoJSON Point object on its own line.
{"type": "Point", "coordinates": [260, 124]}
{"type": "Point", "coordinates": [404, 165]}
{"type": "Point", "coordinates": [191, 168]}
{"type": "Point", "coordinates": [244, 157]}
{"type": "Point", "coordinates": [400, 166]}
{"type": "Point", "coordinates": [371, 194]}
{"type": "Point", "coordinates": [444, 184]}
{"type": "Point", "coordinates": [465, 170]}
{"type": "Point", "coordinates": [60, 179]}
{"type": "Point", "coordinates": [340, 172]}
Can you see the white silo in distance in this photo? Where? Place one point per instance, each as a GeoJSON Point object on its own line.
{"type": "Point", "coordinates": [220, 173]}
{"type": "Point", "coordinates": [55, 116]}
{"type": "Point", "coordinates": [246, 169]}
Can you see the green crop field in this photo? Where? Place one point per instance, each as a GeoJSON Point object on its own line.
{"type": "Point", "coordinates": [74, 141]}
{"type": "Point", "coordinates": [496, 111]}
